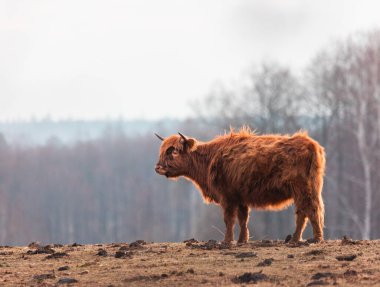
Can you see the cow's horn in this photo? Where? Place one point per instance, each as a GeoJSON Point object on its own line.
{"type": "Point", "coordinates": [160, 137]}
{"type": "Point", "coordinates": [183, 137]}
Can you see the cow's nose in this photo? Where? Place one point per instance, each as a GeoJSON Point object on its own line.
{"type": "Point", "coordinates": [158, 167]}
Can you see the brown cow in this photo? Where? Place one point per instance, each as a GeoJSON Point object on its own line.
{"type": "Point", "coordinates": [243, 170]}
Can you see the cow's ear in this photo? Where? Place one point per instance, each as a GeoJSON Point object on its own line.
{"type": "Point", "coordinates": [188, 144]}
{"type": "Point", "coordinates": [191, 144]}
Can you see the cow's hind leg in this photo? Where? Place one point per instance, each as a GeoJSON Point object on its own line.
{"type": "Point", "coordinates": [316, 217]}
{"type": "Point", "coordinates": [243, 216]}
{"type": "Point", "coordinates": [229, 220]}
{"type": "Point", "coordinates": [300, 213]}
{"type": "Point", "coordinates": [301, 221]}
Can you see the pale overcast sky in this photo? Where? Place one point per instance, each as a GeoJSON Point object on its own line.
{"type": "Point", "coordinates": [87, 59]}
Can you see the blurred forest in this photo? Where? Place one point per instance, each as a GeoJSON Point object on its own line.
{"type": "Point", "coordinates": [104, 188]}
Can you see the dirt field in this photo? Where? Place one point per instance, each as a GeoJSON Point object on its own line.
{"type": "Point", "coordinates": [265, 263]}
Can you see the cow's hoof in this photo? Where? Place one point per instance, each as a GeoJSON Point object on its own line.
{"type": "Point", "coordinates": [314, 240]}
{"type": "Point", "coordinates": [294, 240]}
{"type": "Point", "coordinates": [288, 238]}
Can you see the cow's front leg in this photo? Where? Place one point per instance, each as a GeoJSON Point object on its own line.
{"type": "Point", "coordinates": [229, 220]}
{"type": "Point", "coordinates": [243, 216]}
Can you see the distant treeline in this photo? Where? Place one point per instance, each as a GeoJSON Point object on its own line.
{"type": "Point", "coordinates": [102, 190]}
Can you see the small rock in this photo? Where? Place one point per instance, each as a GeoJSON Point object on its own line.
{"type": "Point", "coordinates": [63, 268]}
{"type": "Point", "coordinates": [43, 277]}
{"type": "Point", "coordinates": [76, 244]}
{"type": "Point", "coordinates": [123, 254]}
{"type": "Point", "coordinates": [191, 240]}
{"type": "Point", "coordinates": [102, 252]}
{"type": "Point", "coordinates": [119, 254]}
{"type": "Point", "coordinates": [290, 256]}
{"type": "Point", "coordinates": [346, 257]}
{"type": "Point", "coordinates": [266, 262]}
{"type": "Point", "coordinates": [320, 275]}
{"type": "Point", "coordinates": [57, 255]}
{"type": "Point", "coordinates": [67, 281]}
{"type": "Point", "coordinates": [250, 277]}
{"type": "Point", "coordinates": [350, 272]}
{"type": "Point", "coordinates": [190, 270]}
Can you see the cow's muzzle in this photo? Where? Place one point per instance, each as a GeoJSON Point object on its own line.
{"type": "Point", "coordinates": [160, 169]}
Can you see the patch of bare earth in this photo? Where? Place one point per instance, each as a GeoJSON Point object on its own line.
{"type": "Point", "coordinates": [266, 263]}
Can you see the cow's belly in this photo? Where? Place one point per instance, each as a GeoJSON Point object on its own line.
{"type": "Point", "coordinates": [272, 199]}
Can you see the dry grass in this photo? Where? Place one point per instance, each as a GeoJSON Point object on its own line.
{"type": "Point", "coordinates": [268, 263]}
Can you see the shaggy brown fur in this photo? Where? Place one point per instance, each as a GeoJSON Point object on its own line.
{"type": "Point", "coordinates": [242, 170]}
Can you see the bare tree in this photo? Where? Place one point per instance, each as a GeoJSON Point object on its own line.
{"type": "Point", "coordinates": [270, 99]}
{"type": "Point", "coordinates": [346, 82]}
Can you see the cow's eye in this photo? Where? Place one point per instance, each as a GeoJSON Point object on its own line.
{"type": "Point", "coordinates": [170, 150]}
